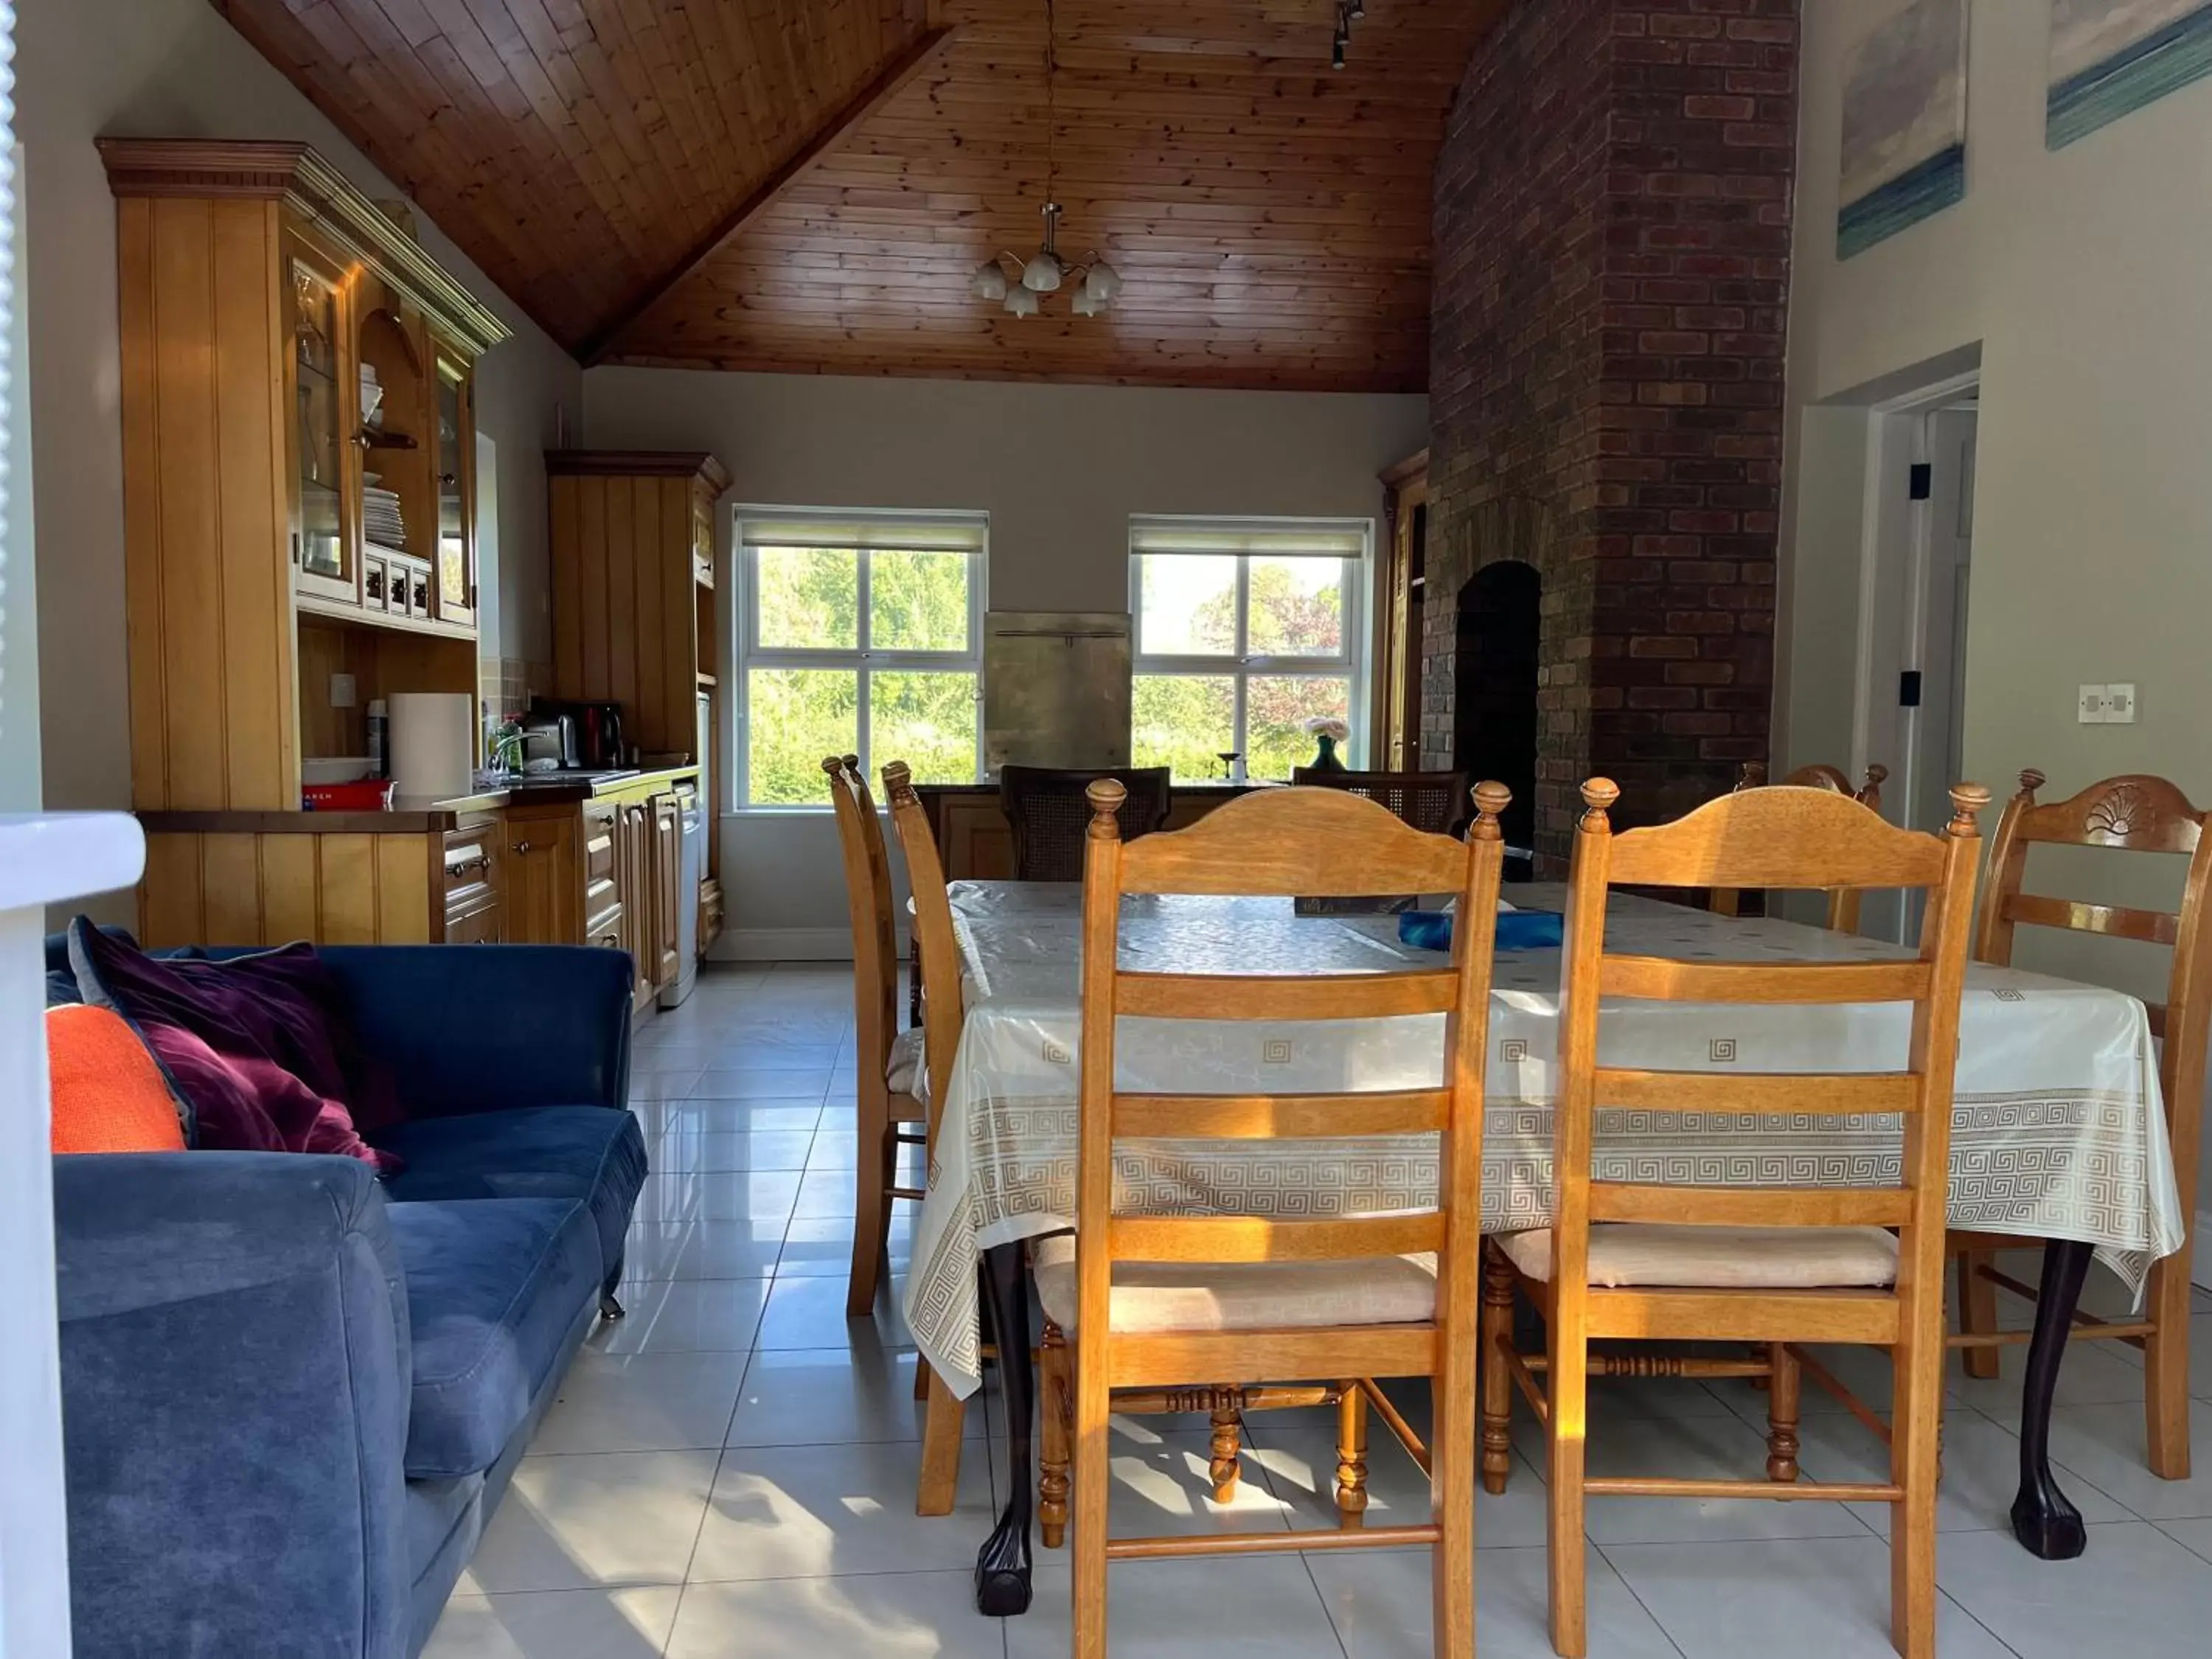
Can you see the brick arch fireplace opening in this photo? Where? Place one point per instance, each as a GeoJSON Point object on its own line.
{"type": "Point", "coordinates": [1497, 662]}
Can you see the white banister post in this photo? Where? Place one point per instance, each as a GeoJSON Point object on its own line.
{"type": "Point", "coordinates": [44, 859]}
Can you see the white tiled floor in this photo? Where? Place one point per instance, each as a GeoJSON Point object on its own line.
{"type": "Point", "coordinates": [729, 1472]}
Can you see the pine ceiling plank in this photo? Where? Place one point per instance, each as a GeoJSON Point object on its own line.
{"type": "Point", "coordinates": [892, 79]}
{"type": "Point", "coordinates": [1270, 217]}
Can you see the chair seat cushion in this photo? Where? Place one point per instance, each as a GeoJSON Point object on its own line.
{"type": "Point", "coordinates": [1151, 1296]}
{"type": "Point", "coordinates": [494, 1289]}
{"type": "Point", "coordinates": [584, 1152]}
{"type": "Point", "coordinates": [1720, 1258]}
{"type": "Point", "coordinates": [905, 1071]}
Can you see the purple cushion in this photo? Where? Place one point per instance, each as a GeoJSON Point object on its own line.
{"type": "Point", "coordinates": [253, 1046]}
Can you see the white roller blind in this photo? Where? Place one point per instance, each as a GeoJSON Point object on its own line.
{"type": "Point", "coordinates": [912, 533]}
{"type": "Point", "coordinates": [1317, 538]}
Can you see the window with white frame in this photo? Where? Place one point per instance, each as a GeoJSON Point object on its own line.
{"type": "Point", "coordinates": [1246, 630]}
{"type": "Point", "coordinates": [858, 634]}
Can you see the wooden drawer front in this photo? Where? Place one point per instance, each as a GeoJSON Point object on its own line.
{"type": "Point", "coordinates": [477, 926]}
{"type": "Point", "coordinates": [471, 866]}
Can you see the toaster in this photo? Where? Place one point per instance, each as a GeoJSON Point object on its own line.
{"type": "Point", "coordinates": [549, 738]}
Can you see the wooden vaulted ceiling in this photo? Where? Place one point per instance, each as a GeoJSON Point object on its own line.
{"type": "Point", "coordinates": [808, 185]}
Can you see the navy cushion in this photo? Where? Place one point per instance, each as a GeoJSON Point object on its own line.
{"type": "Point", "coordinates": [533, 1152]}
{"type": "Point", "coordinates": [494, 1288]}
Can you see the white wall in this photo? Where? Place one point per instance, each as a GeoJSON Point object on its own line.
{"type": "Point", "coordinates": [175, 69]}
{"type": "Point", "coordinates": [2081, 275]}
{"type": "Point", "coordinates": [1059, 468]}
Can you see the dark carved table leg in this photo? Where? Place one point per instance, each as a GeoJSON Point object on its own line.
{"type": "Point", "coordinates": [2044, 1522]}
{"type": "Point", "coordinates": [1002, 1570]}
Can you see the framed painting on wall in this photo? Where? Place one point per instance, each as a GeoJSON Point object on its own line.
{"type": "Point", "coordinates": [2110, 58]}
{"type": "Point", "coordinates": [1904, 151]}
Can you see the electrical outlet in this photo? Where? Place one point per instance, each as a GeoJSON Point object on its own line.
{"type": "Point", "coordinates": [2120, 704]}
{"type": "Point", "coordinates": [341, 690]}
{"type": "Point", "coordinates": [2090, 709]}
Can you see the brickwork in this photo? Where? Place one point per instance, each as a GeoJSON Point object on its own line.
{"type": "Point", "coordinates": [1611, 280]}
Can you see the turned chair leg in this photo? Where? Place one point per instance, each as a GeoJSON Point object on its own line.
{"type": "Point", "coordinates": [1784, 1384]}
{"type": "Point", "coordinates": [1223, 1469]}
{"type": "Point", "coordinates": [944, 1421]}
{"type": "Point", "coordinates": [2166, 1370]}
{"type": "Point", "coordinates": [1495, 1380]}
{"type": "Point", "coordinates": [1978, 1314]}
{"type": "Point", "coordinates": [1352, 1456]}
{"type": "Point", "coordinates": [1053, 1405]}
{"type": "Point", "coordinates": [871, 1203]}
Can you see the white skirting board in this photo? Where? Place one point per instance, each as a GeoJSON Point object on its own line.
{"type": "Point", "coordinates": [789, 945]}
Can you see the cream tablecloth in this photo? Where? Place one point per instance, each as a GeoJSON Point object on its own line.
{"type": "Point", "coordinates": [2057, 1129]}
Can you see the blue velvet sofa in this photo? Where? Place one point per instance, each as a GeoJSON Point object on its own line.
{"type": "Point", "coordinates": [294, 1394]}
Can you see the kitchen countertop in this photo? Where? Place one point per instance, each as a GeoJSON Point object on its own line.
{"type": "Point", "coordinates": [419, 815]}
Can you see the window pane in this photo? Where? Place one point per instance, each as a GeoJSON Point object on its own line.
{"type": "Point", "coordinates": [1296, 608]}
{"type": "Point", "coordinates": [795, 716]}
{"type": "Point", "coordinates": [927, 720]}
{"type": "Point", "coordinates": [810, 600]}
{"type": "Point", "coordinates": [1277, 708]}
{"type": "Point", "coordinates": [1184, 721]}
{"type": "Point", "coordinates": [1189, 604]}
{"type": "Point", "coordinates": [918, 602]}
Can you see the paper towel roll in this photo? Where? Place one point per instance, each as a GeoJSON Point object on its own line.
{"type": "Point", "coordinates": [433, 742]}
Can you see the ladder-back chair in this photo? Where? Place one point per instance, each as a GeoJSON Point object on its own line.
{"type": "Point", "coordinates": [889, 1060]}
{"type": "Point", "coordinates": [2136, 813]}
{"type": "Point", "coordinates": [1439, 802]}
{"type": "Point", "coordinates": [1147, 1303]}
{"type": "Point", "coordinates": [1843, 902]}
{"type": "Point", "coordinates": [942, 1014]}
{"type": "Point", "coordinates": [1773, 1266]}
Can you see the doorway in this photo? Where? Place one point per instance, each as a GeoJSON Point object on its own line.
{"type": "Point", "coordinates": [1494, 687]}
{"type": "Point", "coordinates": [1920, 559]}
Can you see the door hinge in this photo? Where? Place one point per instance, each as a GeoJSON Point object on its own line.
{"type": "Point", "coordinates": [1908, 689]}
{"type": "Point", "coordinates": [1924, 481]}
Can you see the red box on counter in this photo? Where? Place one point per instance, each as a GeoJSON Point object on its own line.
{"type": "Point", "coordinates": [368, 795]}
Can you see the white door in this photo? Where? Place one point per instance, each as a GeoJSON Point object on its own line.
{"type": "Point", "coordinates": [1930, 739]}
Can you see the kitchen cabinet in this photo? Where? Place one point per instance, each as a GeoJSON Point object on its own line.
{"type": "Point", "coordinates": [667, 886]}
{"type": "Point", "coordinates": [639, 913]}
{"type": "Point", "coordinates": [286, 351]}
{"type": "Point", "coordinates": [545, 897]}
{"type": "Point", "coordinates": [633, 566]}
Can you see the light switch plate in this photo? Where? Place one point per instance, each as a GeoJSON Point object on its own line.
{"type": "Point", "coordinates": [2090, 710]}
{"type": "Point", "coordinates": [2120, 704]}
{"type": "Point", "coordinates": [341, 690]}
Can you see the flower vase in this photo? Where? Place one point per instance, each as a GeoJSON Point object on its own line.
{"type": "Point", "coordinates": [1325, 759]}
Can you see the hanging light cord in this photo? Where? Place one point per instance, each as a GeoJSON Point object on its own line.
{"type": "Point", "coordinates": [1051, 109]}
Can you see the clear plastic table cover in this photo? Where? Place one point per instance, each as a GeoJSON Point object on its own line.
{"type": "Point", "coordinates": [2057, 1129]}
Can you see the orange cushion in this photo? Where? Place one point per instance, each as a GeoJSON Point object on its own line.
{"type": "Point", "coordinates": [109, 1096]}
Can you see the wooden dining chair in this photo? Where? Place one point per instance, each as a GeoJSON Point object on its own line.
{"type": "Point", "coordinates": [1150, 1303]}
{"type": "Point", "coordinates": [2136, 813]}
{"type": "Point", "coordinates": [1438, 802]}
{"type": "Point", "coordinates": [942, 1014]}
{"type": "Point", "coordinates": [1629, 1261]}
{"type": "Point", "coordinates": [1047, 811]}
{"type": "Point", "coordinates": [1843, 902]}
{"type": "Point", "coordinates": [889, 1060]}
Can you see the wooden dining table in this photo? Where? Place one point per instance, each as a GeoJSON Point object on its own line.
{"type": "Point", "coordinates": [2057, 1133]}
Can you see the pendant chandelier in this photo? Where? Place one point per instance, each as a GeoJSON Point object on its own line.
{"type": "Point", "coordinates": [1095, 281]}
